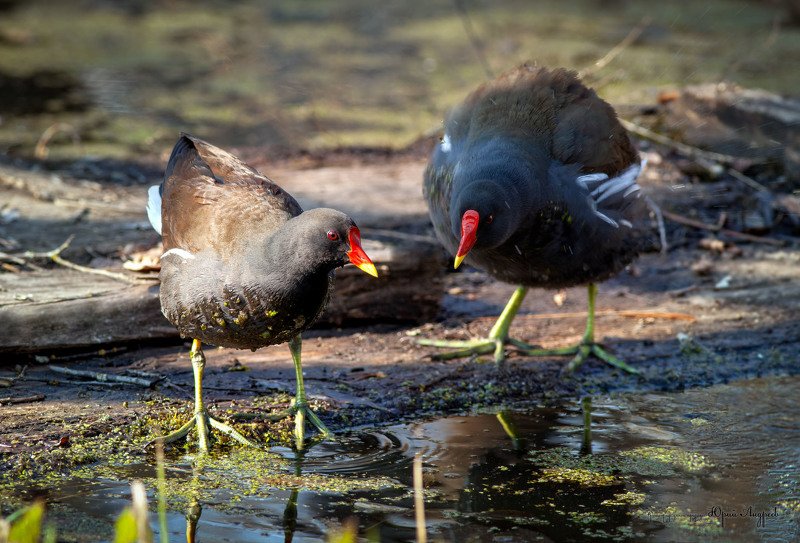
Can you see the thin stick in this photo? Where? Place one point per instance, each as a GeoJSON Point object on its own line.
{"type": "Point", "coordinates": [472, 36]}
{"type": "Point", "coordinates": [104, 376]}
{"type": "Point", "coordinates": [41, 151]}
{"type": "Point", "coordinates": [419, 501]}
{"type": "Point", "coordinates": [161, 481]}
{"type": "Point", "coordinates": [662, 230]}
{"type": "Point", "coordinates": [626, 42]}
{"type": "Point", "coordinates": [141, 513]}
{"type": "Point", "coordinates": [628, 313]}
{"type": "Point", "coordinates": [55, 256]}
{"type": "Point", "coordinates": [747, 180]}
{"type": "Point", "coordinates": [680, 219]}
{"type": "Point", "coordinates": [23, 399]}
{"type": "Point", "coordinates": [688, 150]}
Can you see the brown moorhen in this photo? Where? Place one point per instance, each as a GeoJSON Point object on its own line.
{"type": "Point", "coordinates": [243, 265]}
{"type": "Point", "coordinates": [534, 182]}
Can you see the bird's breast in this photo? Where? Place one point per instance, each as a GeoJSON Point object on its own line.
{"type": "Point", "coordinates": [229, 312]}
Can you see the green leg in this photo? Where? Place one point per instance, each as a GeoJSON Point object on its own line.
{"type": "Point", "coordinates": [587, 346]}
{"type": "Point", "coordinates": [495, 343]}
{"type": "Point", "coordinates": [509, 427]}
{"type": "Point", "coordinates": [300, 408]}
{"type": "Point", "coordinates": [201, 419]}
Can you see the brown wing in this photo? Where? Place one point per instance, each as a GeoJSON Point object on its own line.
{"type": "Point", "coordinates": [213, 200]}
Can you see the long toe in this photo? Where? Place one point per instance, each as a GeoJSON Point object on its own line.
{"type": "Point", "coordinates": [303, 411]}
{"type": "Point", "coordinates": [231, 431]}
{"type": "Point", "coordinates": [583, 352]}
{"type": "Point", "coordinates": [608, 358]}
{"type": "Point", "coordinates": [177, 435]}
{"type": "Point", "coordinates": [475, 347]}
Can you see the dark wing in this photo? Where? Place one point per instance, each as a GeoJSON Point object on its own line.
{"type": "Point", "coordinates": [609, 203]}
{"type": "Point", "coordinates": [213, 200]}
{"type": "Point", "coordinates": [437, 186]}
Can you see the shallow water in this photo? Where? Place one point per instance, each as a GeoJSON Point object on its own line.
{"type": "Point", "coordinates": [695, 466]}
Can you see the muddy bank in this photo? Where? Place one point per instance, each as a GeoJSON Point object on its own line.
{"type": "Point", "coordinates": [376, 375]}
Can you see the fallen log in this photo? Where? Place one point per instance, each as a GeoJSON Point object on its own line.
{"type": "Point", "coordinates": [61, 308]}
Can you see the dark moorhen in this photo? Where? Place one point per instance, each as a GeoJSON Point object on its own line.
{"type": "Point", "coordinates": [534, 182]}
{"type": "Point", "coordinates": [243, 265]}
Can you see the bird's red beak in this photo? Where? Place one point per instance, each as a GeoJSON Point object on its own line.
{"type": "Point", "coordinates": [469, 234]}
{"type": "Point", "coordinates": [357, 255]}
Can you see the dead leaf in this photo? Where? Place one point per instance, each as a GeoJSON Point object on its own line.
{"type": "Point", "coordinates": [703, 267]}
{"type": "Point", "coordinates": [712, 244]}
{"type": "Point", "coordinates": [145, 264]}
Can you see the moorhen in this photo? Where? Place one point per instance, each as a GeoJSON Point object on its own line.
{"type": "Point", "coordinates": [243, 265]}
{"type": "Point", "coordinates": [534, 182]}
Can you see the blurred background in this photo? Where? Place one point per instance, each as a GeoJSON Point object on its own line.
{"type": "Point", "coordinates": [102, 78]}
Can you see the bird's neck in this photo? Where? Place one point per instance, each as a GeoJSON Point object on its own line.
{"type": "Point", "coordinates": [517, 166]}
{"type": "Point", "coordinates": [280, 253]}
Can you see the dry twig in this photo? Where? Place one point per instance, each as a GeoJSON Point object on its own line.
{"type": "Point", "coordinates": [104, 376]}
{"type": "Point", "coordinates": [662, 231]}
{"type": "Point", "coordinates": [747, 180]}
{"type": "Point", "coordinates": [55, 256]}
{"type": "Point", "coordinates": [472, 36]}
{"type": "Point", "coordinates": [615, 51]}
{"type": "Point", "coordinates": [688, 150]}
{"type": "Point", "coordinates": [629, 313]}
{"type": "Point", "coordinates": [23, 399]}
{"type": "Point", "coordinates": [680, 219]}
{"type": "Point", "coordinates": [41, 151]}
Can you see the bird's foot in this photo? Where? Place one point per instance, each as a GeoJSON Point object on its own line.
{"type": "Point", "coordinates": [582, 351]}
{"type": "Point", "coordinates": [204, 424]}
{"type": "Point", "coordinates": [301, 410]}
{"type": "Point", "coordinates": [474, 347]}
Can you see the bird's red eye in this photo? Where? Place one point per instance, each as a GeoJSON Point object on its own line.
{"type": "Point", "coordinates": [333, 235]}
{"type": "Point", "coordinates": [489, 219]}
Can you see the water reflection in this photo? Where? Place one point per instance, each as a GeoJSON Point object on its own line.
{"type": "Point", "coordinates": [629, 469]}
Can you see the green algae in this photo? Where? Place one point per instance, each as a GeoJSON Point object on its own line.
{"type": "Point", "coordinates": [104, 448]}
{"type": "Point", "coordinates": [647, 461]}
{"type": "Point", "coordinates": [240, 473]}
{"type": "Point", "coordinates": [626, 498]}
{"type": "Point", "coordinates": [580, 476]}
{"type": "Point", "coordinates": [699, 524]}
{"type": "Point", "coordinates": [586, 517]}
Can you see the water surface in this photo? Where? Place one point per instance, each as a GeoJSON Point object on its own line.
{"type": "Point", "coordinates": [716, 464]}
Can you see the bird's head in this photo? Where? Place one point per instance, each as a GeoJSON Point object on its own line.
{"type": "Point", "coordinates": [484, 216]}
{"type": "Point", "coordinates": [334, 239]}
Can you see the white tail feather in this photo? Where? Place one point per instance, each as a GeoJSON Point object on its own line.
{"type": "Point", "coordinates": [154, 207]}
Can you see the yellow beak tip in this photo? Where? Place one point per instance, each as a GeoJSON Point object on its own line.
{"type": "Point", "coordinates": [457, 262]}
{"type": "Point", "coordinates": [368, 268]}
